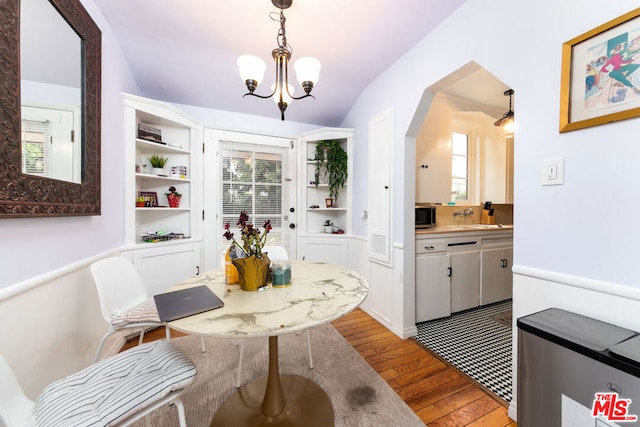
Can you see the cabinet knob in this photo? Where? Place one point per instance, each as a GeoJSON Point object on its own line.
{"type": "Point", "coordinates": [292, 226]}
{"type": "Point", "coordinates": [292, 210]}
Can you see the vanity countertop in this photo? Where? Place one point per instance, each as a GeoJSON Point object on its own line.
{"type": "Point", "coordinates": [465, 228]}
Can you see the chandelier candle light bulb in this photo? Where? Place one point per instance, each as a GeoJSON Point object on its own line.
{"type": "Point", "coordinates": [252, 70]}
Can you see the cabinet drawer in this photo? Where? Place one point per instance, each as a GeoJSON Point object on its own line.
{"type": "Point", "coordinates": [429, 246]}
{"type": "Point", "coordinates": [497, 242]}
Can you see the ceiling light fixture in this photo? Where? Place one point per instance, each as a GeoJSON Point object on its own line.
{"type": "Point", "coordinates": [508, 119]}
{"type": "Point", "coordinates": [307, 69]}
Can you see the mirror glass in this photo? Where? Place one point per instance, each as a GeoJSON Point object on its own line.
{"type": "Point", "coordinates": [50, 89]}
{"type": "Point", "coordinates": [50, 76]}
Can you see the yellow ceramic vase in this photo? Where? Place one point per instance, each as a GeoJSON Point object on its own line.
{"type": "Point", "coordinates": [252, 271]}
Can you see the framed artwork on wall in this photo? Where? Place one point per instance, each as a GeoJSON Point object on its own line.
{"type": "Point", "coordinates": [600, 78]}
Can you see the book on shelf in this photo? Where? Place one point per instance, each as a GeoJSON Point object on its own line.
{"type": "Point", "coordinates": [149, 133]}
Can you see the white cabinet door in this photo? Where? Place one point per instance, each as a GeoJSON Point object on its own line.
{"type": "Point", "coordinates": [465, 280]}
{"type": "Point", "coordinates": [507, 278]}
{"type": "Point", "coordinates": [162, 268]}
{"type": "Point", "coordinates": [491, 275]}
{"type": "Point", "coordinates": [380, 195]}
{"type": "Point", "coordinates": [497, 278]}
{"type": "Point", "coordinates": [331, 250]}
{"type": "Point", "coordinates": [433, 295]}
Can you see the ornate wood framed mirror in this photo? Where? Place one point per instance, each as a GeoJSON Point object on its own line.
{"type": "Point", "coordinates": [24, 193]}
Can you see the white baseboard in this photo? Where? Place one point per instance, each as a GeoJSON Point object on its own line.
{"type": "Point", "coordinates": [393, 328]}
{"type": "Point", "coordinates": [513, 411]}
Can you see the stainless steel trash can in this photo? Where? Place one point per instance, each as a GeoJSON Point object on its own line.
{"type": "Point", "coordinates": [564, 359]}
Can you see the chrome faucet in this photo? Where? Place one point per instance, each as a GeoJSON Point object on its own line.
{"type": "Point", "coordinates": [465, 212]}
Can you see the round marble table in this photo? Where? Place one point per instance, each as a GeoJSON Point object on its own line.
{"type": "Point", "coordinates": [319, 294]}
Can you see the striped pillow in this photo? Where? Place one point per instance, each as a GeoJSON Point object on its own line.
{"type": "Point", "coordinates": [145, 312]}
{"type": "Point", "coordinates": [109, 391]}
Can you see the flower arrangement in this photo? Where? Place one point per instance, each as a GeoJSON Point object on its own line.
{"type": "Point", "coordinates": [252, 240]}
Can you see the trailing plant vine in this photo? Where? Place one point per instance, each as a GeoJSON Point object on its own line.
{"type": "Point", "coordinates": [335, 167]}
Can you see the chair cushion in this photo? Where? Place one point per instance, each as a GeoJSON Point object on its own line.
{"type": "Point", "coordinates": [106, 392]}
{"type": "Point", "coordinates": [145, 312]}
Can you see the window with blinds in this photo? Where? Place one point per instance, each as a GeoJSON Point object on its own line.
{"type": "Point", "coordinates": [252, 179]}
{"type": "Point", "coordinates": [36, 147]}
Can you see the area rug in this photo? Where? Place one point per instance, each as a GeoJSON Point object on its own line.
{"type": "Point", "coordinates": [360, 397]}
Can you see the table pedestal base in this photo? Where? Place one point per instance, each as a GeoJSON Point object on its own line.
{"type": "Point", "coordinates": [307, 404]}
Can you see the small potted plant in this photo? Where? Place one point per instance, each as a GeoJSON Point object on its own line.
{"type": "Point", "coordinates": [140, 202]}
{"type": "Point", "coordinates": [328, 226]}
{"type": "Point", "coordinates": [173, 197]}
{"type": "Point", "coordinates": [157, 163]}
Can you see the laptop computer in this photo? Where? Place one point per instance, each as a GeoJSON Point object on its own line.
{"type": "Point", "coordinates": [186, 302]}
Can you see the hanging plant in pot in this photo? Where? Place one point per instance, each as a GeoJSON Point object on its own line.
{"type": "Point", "coordinates": [251, 262]}
{"type": "Point", "coordinates": [173, 197]}
{"type": "Point", "coordinates": [331, 163]}
{"type": "Point", "coordinates": [158, 163]}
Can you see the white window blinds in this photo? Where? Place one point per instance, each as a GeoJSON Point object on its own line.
{"type": "Point", "coordinates": [253, 178]}
{"type": "Point", "coordinates": [36, 147]}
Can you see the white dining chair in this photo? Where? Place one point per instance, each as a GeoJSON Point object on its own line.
{"type": "Point", "coordinates": [123, 300]}
{"type": "Point", "coordinates": [275, 253]}
{"type": "Point", "coordinates": [103, 394]}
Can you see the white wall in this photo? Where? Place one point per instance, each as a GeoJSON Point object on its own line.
{"type": "Point", "coordinates": [224, 120]}
{"type": "Point", "coordinates": [583, 229]}
{"type": "Point", "coordinates": [30, 247]}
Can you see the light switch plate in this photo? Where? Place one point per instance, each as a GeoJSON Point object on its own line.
{"type": "Point", "coordinates": [553, 171]}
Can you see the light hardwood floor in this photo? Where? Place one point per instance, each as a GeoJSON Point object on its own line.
{"type": "Point", "coordinates": [438, 393]}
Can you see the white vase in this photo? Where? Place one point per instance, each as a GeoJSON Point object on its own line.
{"type": "Point", "coordinates": [157, 171]}
{"type": "Point", "coordinates": [328, 229]}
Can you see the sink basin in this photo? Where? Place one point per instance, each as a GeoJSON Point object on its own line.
{"type": "Point", "coordinates": [485, 226]}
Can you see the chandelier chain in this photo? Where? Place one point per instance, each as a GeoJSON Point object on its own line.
{"type": "Point", "coordinates": [281, 38]}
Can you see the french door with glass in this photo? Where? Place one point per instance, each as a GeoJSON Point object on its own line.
{"type": "Point", "coordinates": [247, 172]}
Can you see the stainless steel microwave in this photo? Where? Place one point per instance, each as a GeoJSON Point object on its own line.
{"type": "Point", "coordinates": [425, 216]}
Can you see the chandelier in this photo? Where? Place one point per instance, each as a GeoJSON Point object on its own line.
{"type": "Point", "coordinates": [307, 69]}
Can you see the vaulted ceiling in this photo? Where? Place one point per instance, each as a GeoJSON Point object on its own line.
{"type": "Point", "coordinates": [185, 52]}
